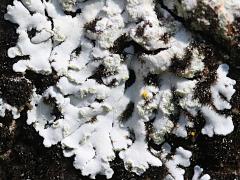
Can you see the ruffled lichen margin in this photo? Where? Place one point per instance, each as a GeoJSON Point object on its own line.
{"type": "Point", "coordinates": [119, 86]}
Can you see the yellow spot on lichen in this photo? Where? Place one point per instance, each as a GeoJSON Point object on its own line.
{"type": "Point", "coordinates": [193, 133]}
{"type": "Point", "coordinates": [145, 94]}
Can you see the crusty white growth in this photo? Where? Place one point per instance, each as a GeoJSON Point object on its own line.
{"type": "Point", "coordinates": [223, 87]}
{"type": "Point", "coordinates": [189, 4]}
{"type": "Point", "coordinates": [222, 91]}
{"type": "Point", "coordinates": [4, 106]}
{"type": "Point", "coordinates": [227, 11]}
{"type": "Point", "coordinates": [91, 95]}
{"type": "Point", "coordinates": [39, 47]}
{"type": "Point", "coordinates": [179, 40]}
{"type": "Point", "coordinates": [68, 5]}
{"type": "Point", "coordinates": [196, 65]}
{"type": "Point", "coordinates": [216, 123]}
{"type": "Point", "coordinates": [180, 129]}
{"type": "Point", "coordinates": [217, 16]}
{"type": "Point", "coordinates": [181, 158]}
{"type": "Point", "coordinates": [198, 174]}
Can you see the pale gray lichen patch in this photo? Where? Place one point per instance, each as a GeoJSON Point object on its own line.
{"type": "Point", "coordinates": [198, 174]}
{"type": "Point", "coordinates": [91, 94]}
{"type": "Point", "coordinates": [217, 19]}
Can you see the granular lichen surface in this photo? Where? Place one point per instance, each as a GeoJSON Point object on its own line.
{"type": "Point", "coordinates": [124, 88]}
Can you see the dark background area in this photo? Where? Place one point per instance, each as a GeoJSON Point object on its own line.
{"type": "Point", "coordinates": [23, 156]}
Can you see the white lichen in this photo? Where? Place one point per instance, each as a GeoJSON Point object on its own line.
{"type": "Point", "coordinates": [222, 90]}
{"type": "Point", "coordinates": [5, 106]}
{"type": "Point", "coordinates": [181, 158]}
{"type": "Point", "coordinates": [217, 16]}
{"type": "Point", "coordinates": [92, 94]}
{"type": "Point", "coordinates": [198, 174]}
